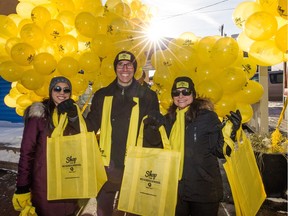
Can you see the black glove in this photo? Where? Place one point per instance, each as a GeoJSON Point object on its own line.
{"type": "Point", "coordinates": [69, 107]}
{"type": "Point", "coordinates": [154, 120]}
{"type": "Point", "coordinates": [236, 119]}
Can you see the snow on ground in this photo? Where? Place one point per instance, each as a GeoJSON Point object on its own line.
{"type": "Point", "coordinates": [11, 133]}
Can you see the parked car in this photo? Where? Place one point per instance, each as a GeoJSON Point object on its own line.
{"type": "Point", "coordinates": [275, 85]}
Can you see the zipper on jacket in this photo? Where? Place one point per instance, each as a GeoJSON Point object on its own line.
{"type": "Point", "coordinates": [122, 92]}
{"type": "Point", "coordinates": [195, 134]}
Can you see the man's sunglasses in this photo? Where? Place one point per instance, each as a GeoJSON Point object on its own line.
{"type": "Point", "coordinates": [59, 89]}
{"type": "Point", "coordinates": [185, 92]}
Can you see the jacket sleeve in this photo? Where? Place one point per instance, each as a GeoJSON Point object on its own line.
{"type": "Point", "coordinates": [33, 126]}
{"type": "Point", "coordinates": [216, 138]}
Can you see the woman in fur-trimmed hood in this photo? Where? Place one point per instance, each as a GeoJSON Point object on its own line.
{"type": "Point", "coordinates": [31, 187]}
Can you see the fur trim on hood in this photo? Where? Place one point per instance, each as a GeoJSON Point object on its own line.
{"type": "Point", "coordinates": [37, 109]}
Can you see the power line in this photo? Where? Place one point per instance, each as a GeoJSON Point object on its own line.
{"type": "Point", "coordinates": [195, 10]}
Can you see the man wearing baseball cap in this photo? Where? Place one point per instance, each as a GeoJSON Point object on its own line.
{"type": "Point", "coordinates": [117, 111]}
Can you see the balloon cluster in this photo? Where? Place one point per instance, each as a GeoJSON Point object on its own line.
{"type": "Point", "coordinates": [80, 38]}
{"type": "Point", "coordinates": [217, 67]}
{"type": "Point", "coordinates": [265, 29]}
{"type": "Point", "coordinates": [74, 38]}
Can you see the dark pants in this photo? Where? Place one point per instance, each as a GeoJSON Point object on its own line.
{"type": "Point", "coordinates": [107, 202]}
{"type": "Point", "coordinates": [186, 208]}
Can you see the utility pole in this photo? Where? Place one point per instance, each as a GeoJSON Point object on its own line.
{"type": "Point", "coordinates": [221, 29]}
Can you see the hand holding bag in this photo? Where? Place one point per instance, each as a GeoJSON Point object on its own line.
{"type": "Point", "coordinates": [243, 174]}
{"type": "Point", "coordinates": [150, 180]}
{"type": "Point", "coordinates": [74, 164]}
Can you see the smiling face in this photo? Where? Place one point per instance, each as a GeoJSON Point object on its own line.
{"type": "Point", "coordinates": [60, 92]}
{"type": "Point", "coordinates": [124, 72]}
{"type": "Point", "coordinates": [182, 101]}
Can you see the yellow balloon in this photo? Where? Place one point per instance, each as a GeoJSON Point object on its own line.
{"type": "Point", "coordinates": [20, 88]}
{"type": "Point", "coordinates": [24, 9]}
{"type": "Point", "coordinates": [283, 9]}
{"type": "Point", "coordinates": [281, 39]}
{"type": "Point", "coordinates": [20, 110]}
{"type": "Point", "coordinates": [266, 53]}
{"type": "Point", "coordinates": [243, 10]}
{"type": "Point", "coordinates": [67, 18]}
{"type": "Point", "coordinates": [40, 15]}
{"type": "Point", "coordinates": [10, 43]}
{"type": "Point", "coordinates": [246, 111]}
{"type": "Point", "coordinates": [23, 54]}
{"type": "Point", "coordinates": [207, 71]}
{"type": "Point", "coordinates": [225, 51]}
{"type": "Point", "coordinates": [54, 30]}
{"type": "Point", "coordinates": [117, 26]}
{"type": "Point", "coordinates": [24, 100]}
{"type": "Point", "coordinates": [86, 24]}
{"type": "Point", "coordinates": [225, 105]}
{"type": "Point", "coordinates": [251, 93]}
{"type": "Point", "coordinates": [204, 48]}
{"type": "Point", "coordinates": [79, 83]}
{"type": "Point", "coordinates": [260, 26]}
{"type": "Point", "coordinates": [68, 66]}
{"type": "Point", "coordinates": [269, 6]}
{"type": "Point", "coordinates": [89, 62]}
{"type": "Point", "coordinates": [9, 101]}
{"type": "Point", "coordinates": [165, 99]}
{"type": "Point", "coordinates": [249, 67]}
{"type": "Point", "coordinates": [187, 39]}
{"type": "Point", "coordinates": [244, 41]}
{"type": "Point", "coordinates": [64, 5]}
{"type": "Point", "coordinates": [122, 9]}
{"type": "Point", "coordinates": [233, 79]}
{"type": "Point", "coordinates": [11, 71]}
{"type": "Point", "coordinates": [44, 63]}
{"type": "Point", "coordinates": [32, 80]}
{"type": "Point", "coordinates": [32, 35]}
{"type": "Point", "coordinates": [101, 45]}
{"type": "Point", "coordinates": [67, 45]}
{"type": "Point", "coordinates": [210, 89]}
{"type": "Point", "coordinates": [7, 27]}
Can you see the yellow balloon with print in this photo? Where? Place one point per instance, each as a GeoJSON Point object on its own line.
{"type": "Point", "coordinates": [260, 26]}
{"type": "Point", "coordinates": [67, 45]}
{"type": "Point", "coordinates": [233, 79]}
{"type": "Point", "coordinates": [249, 66]}
{"type": "Point", "coordinates": [32, 80]}
{"type": "Point", "coordinates": [243, 10]}
{"type": "Point", "coordinates": [283, 9]}
{"type": "Point", "coordinates": [44, 63]}
{"type": "Point", "coordinates": [23, 54]}
{"type": "Point", "coordinates": [54, 30]}
{"type": "Point", "coordinates": [266, 53]}
{"type": "Point", "coordinates": [10, 71]}
{"type": "Point", "coordinates": [40, 15]}
{"type": "Point", "coordinates": [251, 93]}
{"type": "Point", "coordinates": [281, 39]}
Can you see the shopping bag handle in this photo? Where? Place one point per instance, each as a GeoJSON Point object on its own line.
{"type": "Point", "coordinates": [59, 129]}
{"type": "Point", "coordinates": [164, 137]}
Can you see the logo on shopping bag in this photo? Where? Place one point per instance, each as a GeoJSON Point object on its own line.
{"type": "Point", "coordinates": [150, 174]}
{"type": "Point", "coordinates": [150, 179]}
{"type": "Point", "coordinates": [71, 163]}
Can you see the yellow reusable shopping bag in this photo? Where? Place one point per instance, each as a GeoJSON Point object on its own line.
{"type": "Point", "coordinates": [74, 164]}
{"type": "Point", "coordinates": [150, 180]}
{"type": "Point", "coordinates": [243, 174]}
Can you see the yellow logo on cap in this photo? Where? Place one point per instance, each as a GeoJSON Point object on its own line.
{"type": "Point", "coordinates": [124, 56]}
{"type": "Point", "coordinates": [182, 84]}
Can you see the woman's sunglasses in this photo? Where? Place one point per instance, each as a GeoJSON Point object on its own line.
{"type": "Point", "coordinates": [59, 89]}
{"type": "Point", "coordinates": [185, 92]}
